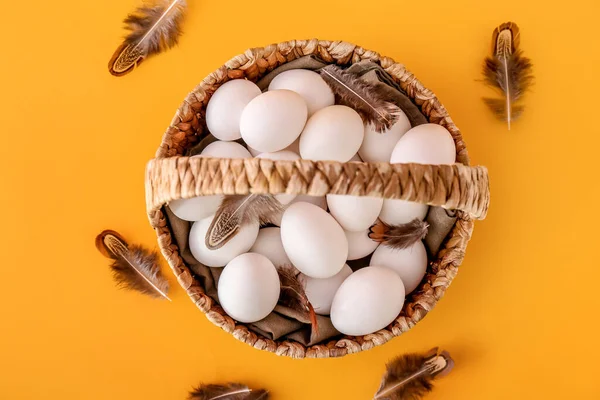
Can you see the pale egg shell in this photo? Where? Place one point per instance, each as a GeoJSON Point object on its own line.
{"type": "Point", "coordinates": [320, 292]}
{"type": "Point", "coordinates": [273, 120]}
{"type": "Point", "coordinates": [294, 147]}
{"type": "Point", "coordinates": [378, 147]}
{"type": "Point", "coordinates": [359, 244]}
{"type": "Point", "coordinates": [398, 212]}
{"type": "Point", "coordinates": [248, 288]}
{"type": "Point", "coordinates": [313, 240]}
{"type": "Point", "coordinates": [425, 144]}
{"type": "Point", "coordinates": [410, 264]}
{"type": "Point", "coordinates": [240, 243]}
{"type": "Point", "coordinates": [197, 208]}
{"type": "Point", "coordinates": [333, 133]}
{"type": "Point", "coordinates": [368, 300]}
{"type": "Point", "coordinates": [354, 213]}
{"type": "Point", "coordinates": [308, 84]}
{"type": "Point", "coordinates": [225, 108]}
{"type": "Point", "coordinates": [281, 155]}
{"type": "Point", "coordinates": [220, 149]}
{"type": "Point", "coordinates": [320, 201]}
{"type": "Point", "coordinates": [268, 243]}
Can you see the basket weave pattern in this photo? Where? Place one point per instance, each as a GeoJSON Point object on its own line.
{"type": "Point", "coordinates": [172, 176]}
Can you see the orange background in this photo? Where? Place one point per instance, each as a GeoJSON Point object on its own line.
{"type": "Point", "coordinates": [521, 319]}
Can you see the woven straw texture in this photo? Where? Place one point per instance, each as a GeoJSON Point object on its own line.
{"type": "Point", "coordinates": [172, 176]}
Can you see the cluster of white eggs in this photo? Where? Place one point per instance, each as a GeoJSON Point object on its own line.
{"type": "Point", "coordinates": [297, 118]}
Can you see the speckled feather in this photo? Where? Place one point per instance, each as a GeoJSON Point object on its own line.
{"type": "Point", "coordinates": [399, 236]}
{"type": "Point", "coordinates": [410, 377]}
{"type": "Point", "coordinates": [237, 211]}
{"type": "Point", "coordinates": [371, 103]}
{"type": "Point", "coordinates": [508, 71]}
{"type": "Point", "coordinates": [229, 391]}
{"type": "Point", "coordinates": [133, 266]}
{"type": "Point", "coordinates": [293, 294]}
{"type": "Point", "coordinates": [153, 28]}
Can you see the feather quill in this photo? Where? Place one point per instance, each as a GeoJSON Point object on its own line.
{"type": "Point", "coordinates": [133, 267]}
{"type": "Point", "coordinates": [371, 103]}
{"type": "Point", "coordinates": [293, 294]}
{"type": "Point", "coordinates": [229, 391]}
{"type": "Point", "coordinates": [399, 236]}
{"type": "Point", "coordinates": [508, 71]}
{"type": "Point", "coordinates": [236, 211]}
{"type": "Point", "coordinates": [410, 377]}
{"type": "Point", "coordinates": [153, 28]}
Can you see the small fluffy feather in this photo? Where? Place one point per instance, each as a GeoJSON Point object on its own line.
{"type": "Point", "coordinates": [293, 294]}
{"type": "Point", "coordinates": [410, 377]}
{"type": "Point", "coordinates": [399, 236]}
{"type": "Point", "coordinates": [153, 28]}
{"type": "Point", "coordinates": [365, 98]}
{"type": "Point", "coordinates": [237, 211]}
{"type": "Point", "coordinates": [229, 391]}
{"type": "Point", "coordinates": [133, 267]}
{"type": "Point", "coordinates": [508, 71]}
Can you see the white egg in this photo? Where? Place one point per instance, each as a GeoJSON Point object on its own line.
{"type": "Point", "coordinates": [197, 208]}
{"type": "Point", "coordinates": [359, 244]}
{"type": "Point", "coordinates": [308, 84]}
{"type": "Point", "coordinates": [354, 213]}
{"type": "Point", "coordinates": [225, 108]}
{"type": "Point", "coordinates": [368, 300]}
{"type": "Point", "coordinates": [333, 133]}
{"type": "Point", "coordinates": [320, 201]}
{"type": "Point", "coordinates": [249, 287]}
{"type": "Point", "coordinates": [268, 243]}
{"type": "Point", "coordinates": [281, 155]}
{"type": "Point", "coordinates": [221, 149]}
{"type": "Point", "coordinates": [378, 147]}
{"type": "Point", "coordinates": [273, 120]}
{"type": "Point", "coordinates": [425, 144]}
{"type": "Point", "coordinates": [410, 264]}
{"type": "Point", "coordinates": [320, 292]}
{"type": "Point", "coordinates": [240, 243]}
{"type": "Point", "coordinates": [398, 212]}
{"type": "Point", "coordinates": [313, 240]}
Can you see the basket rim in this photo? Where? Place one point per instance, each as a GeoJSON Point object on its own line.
{"type": "Point", "coordinates": [186, 127]}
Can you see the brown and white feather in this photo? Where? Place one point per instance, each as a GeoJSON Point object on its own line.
{"type": "Point", "coordinates": [133, 266]}
{"type": "Point", "coordinates": [508, 71]}
{"type": "Point", "coordinates": [293, 294]}
{"type": "Point", "coordinates": [229, 391]}
{"type": "Point", "coordinates": [410, 377]}
{"type": "Point", "coordinates": [399, 236]}
{"type": "Point", "coordinates": [366, 98]}
{"type": "Point", "coordinates": [236, 211]}
{"type": "Point", "coordinates": [153, 28]}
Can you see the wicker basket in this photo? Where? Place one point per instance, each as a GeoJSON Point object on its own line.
{"type": "Point", "coordinates": [172, 176]}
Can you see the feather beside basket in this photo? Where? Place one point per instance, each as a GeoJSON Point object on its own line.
{"type": "Point", "coordinates": [508, 71]}
{"type": "Point", "coordinates": [173, 175]}
{"type": "Point", "coordinates": [153, 28]}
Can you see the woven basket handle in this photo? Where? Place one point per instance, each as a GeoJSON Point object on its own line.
{"type": "Point", "coordinates": [457, 187]}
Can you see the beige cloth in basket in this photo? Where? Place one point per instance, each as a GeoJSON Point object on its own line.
{"type": "Point", "coordinates": [284, 322]}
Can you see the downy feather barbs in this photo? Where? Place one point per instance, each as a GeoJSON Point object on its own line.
{"type": "Point", "coordinates": [153, 28]}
